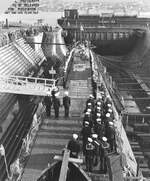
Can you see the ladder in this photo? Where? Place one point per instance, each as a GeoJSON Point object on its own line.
{"type": "Point", "coordinates": [26, 85]}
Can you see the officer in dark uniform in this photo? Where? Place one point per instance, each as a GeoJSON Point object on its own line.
{"type": "Point", "coordinates": [104, 149]}
{"type": "Point", "coordinates": [74, 146]}
{"type": "Point", "coordinates": [48, 104]}
{"type": "Point", "coordinates": [56, 105]}
{"type": "Point", "coordinates": [66, 103]}
{"type": "Point", "coordinates": [85, 132]}
{"type": "Point", "coordinates": [89, 156]}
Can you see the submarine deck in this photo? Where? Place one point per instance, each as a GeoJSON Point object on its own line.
{"type": "Point", "coordinates": [54, 134]}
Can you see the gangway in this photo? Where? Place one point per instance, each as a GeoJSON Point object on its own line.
{"type": "Point", "coordinates": [26, 85]}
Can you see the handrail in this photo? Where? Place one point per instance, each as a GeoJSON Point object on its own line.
{"type": "Point", "coordinates": [26, 85]}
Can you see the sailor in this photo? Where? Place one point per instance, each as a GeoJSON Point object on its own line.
{"type": "Point", "coordinates": [107, 119]}
{"type": "Point", "coordinates": [104, 149]}
{"type": "Point", "coordinates": [85, 132]}
{"type": "Point", "coordinates": [89, 156]}
{"type": "Point", "coordinates": [100, 128]}
{"type": "Point", "coordinates": [56, 104]}
{"type": "Point", "coordinates": [110, 134]}
{"type": "Point", "coordinates": [66, 103]}
{"type": "Point", "coordinates": [48, 104]}
{"type": "Point", "coordinates": [74, 146]}
{"type": "Point", "coordinates": [97, 148]}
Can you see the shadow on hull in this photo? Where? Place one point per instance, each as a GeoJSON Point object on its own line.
{"type": "Point", "coordinates": [75, 173]}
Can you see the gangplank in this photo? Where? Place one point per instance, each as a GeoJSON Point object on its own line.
{"type": "Point", "coordinates": [26, 85]}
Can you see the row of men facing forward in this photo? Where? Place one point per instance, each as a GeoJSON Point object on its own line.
{"type": "Point", "coordinates": [98, 133]}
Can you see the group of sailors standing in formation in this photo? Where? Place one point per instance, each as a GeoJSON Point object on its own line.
{"type": "Point", "coordinates": [97, 134]}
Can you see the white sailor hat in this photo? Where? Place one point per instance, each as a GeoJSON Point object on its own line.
{"type": "Point", "coordinates": [89, 110]}
{"type": "Point", "coordinates": [98, 114]}
{"type": "Point", "coordinates": [94, 136]}
{"type": "Point", "coordinates": [98, 103]}
{"type": "Point", "coordinates": [87, 113]}
{"type": "Point", "coordinates": [110, 110]}
{"type": "Point", "coordinates": [90, 140]}
{"type": "Point", "coordinates": [107, 115]}
{"type": "Point", "coordinates": [98, 120]}
{"type": "Point", "coordinates": [109, 105]}
{"type": "Point", "coordinates": [86, 123]}
{"type": "Point", "coordinates": [104, 138]}
{"type": "Point", "coordinates": [98, 107]}
{"type": "Point", "coordinates": [111, 123]}
{"type": "Point", "coordinates": [75, 136]}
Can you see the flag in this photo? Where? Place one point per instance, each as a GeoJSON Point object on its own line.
{"type": "Point", "coordinates": [2, 150]}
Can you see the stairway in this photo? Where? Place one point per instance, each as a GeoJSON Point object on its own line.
{"type": "Point", "coordinates": [52, 137]}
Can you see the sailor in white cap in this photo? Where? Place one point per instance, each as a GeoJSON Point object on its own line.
{"type": "Point", "coordinates": [110, 110]}
{"type": "Point", "coordinates": [74, 146]}
{"type": "Point", "coordinates": [89, 156]}
{"type": "Point", "coordinates": [110, 133]}
{"type": "Point", "coordinates": [89, 110]}
{"type": "Point", "coordinates": [104, 148]}
{"type": "Point", "coordinates": [66, 104]}
{"type": "Point", "coordinates": [108, 115]}
{"type": "Point", "coordinates": [96, 143]}
{"type": "Point", "coordinates": [99, 103]}
{"type": "Point", "coordinates": [100, 128]}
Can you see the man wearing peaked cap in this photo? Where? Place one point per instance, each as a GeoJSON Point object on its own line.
{"type": "Point", "coordinates": [56, 105]}
{"type": "Point", "coordinates": [98, 115]}
{"type": "Point", "coordinates": [66, 104]}
{"type": "Point", "coordinates": [74, 146]}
